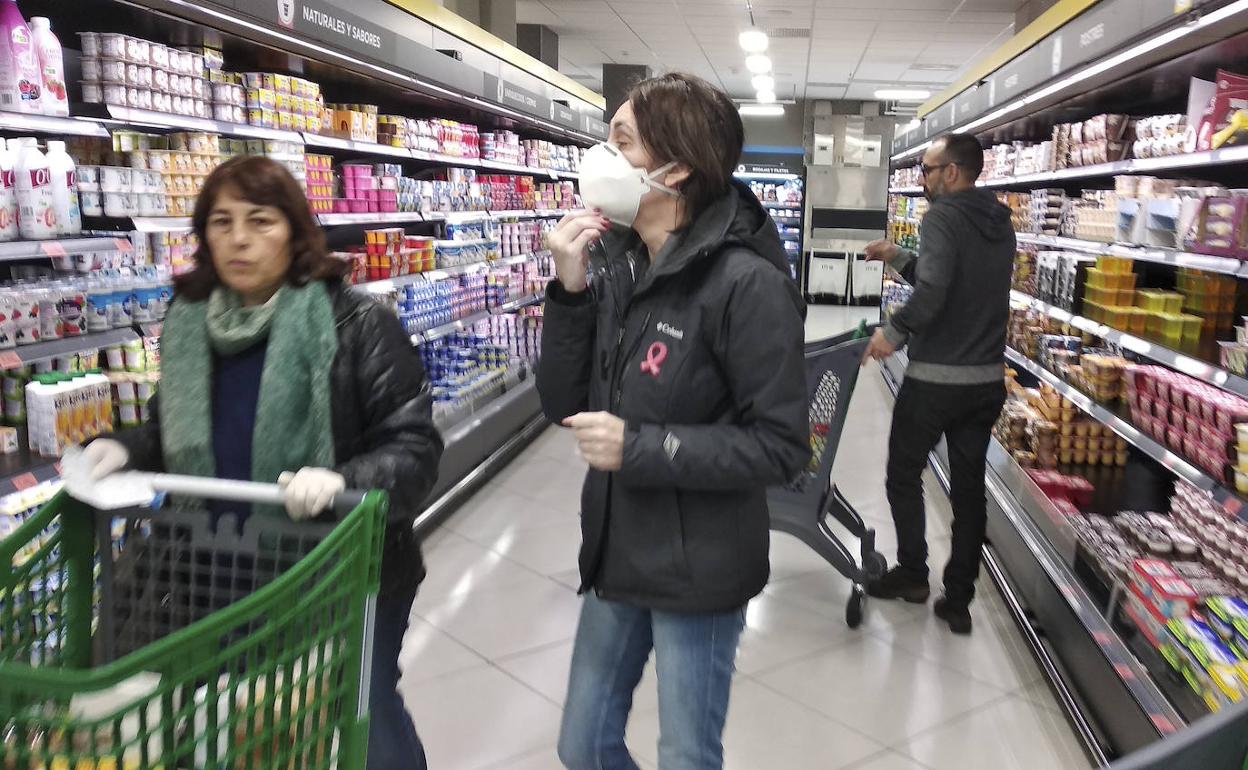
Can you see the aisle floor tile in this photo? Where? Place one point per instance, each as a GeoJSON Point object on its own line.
{"type": "Point", "coordinates": [496, 511]}
{"type": "Point", "coordinates": [777, 633]}
{"type": "Point", "coordinates": [428, 653]}
{"type": "Point", "coordinates": [1040, 693]}
{"type": "Point", "coordinates": [767, 730]}
{"type": "Point", "coordinates": [459, 567]}
{"type": "Point", "coordinates": [791, 558]}
{"type": "Point", "coordinates": [994, 653]}
{"type": "Point", "coordinates": [888, 760]}
{"type": "Point", "coordinates": [827, 593]}
{"type": "Point", "coordinates": [1009, 734]}
{"type": "Point", "coordinates": [546, 671]}
{"type": "Point", "coordinates": [548, 550]}
{"type": "Point", "coordinates": [498, 623]}
{"type": "Point", "coordinates": [478, 717]}
{"type": "Point", "coordinates": [542, 759]}
{"type": "Point", "coordinates": [881, 691]}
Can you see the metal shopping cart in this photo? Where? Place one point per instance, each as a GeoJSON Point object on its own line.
{"type": "Point", "coordinates": [214, 647]}
{"type": "Point", "coordinates": [802, 508]}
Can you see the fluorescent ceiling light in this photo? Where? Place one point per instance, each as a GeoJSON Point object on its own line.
{"type": "Point", "coordinates": [766, 97]}
{"type": "Point", "coordinates": [753, 40]}
{"type": "Point", "coordinates": [762, 110]}
{"type": "Point", "coordinates": [902, 94]}
{"type": "Point", "coordinates": [758, 63]}
{"type": "Point", "coordinates": [763, 83]}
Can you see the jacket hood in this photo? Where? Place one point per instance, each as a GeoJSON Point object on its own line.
{"type": "Point", "coordinates": [982, 209]}
{"type": "Point", "coordinates": [736, 218]}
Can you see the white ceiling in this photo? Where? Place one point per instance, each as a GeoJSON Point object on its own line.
{"type": "Point", "coordinates": [833, 49]}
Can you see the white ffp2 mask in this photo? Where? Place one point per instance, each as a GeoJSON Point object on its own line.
{"type": "Point", "coordinates": [613, 185]}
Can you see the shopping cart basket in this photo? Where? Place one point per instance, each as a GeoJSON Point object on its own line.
{"type": "Point", "coordinates": [214, 647]}
{"type": "Point", "coordinates": [801, 508]}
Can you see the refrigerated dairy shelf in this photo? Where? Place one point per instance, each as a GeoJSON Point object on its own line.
{"type": "Point", "coordinates": [463, 324]}
{"type": "Point", "coordinates": [1180, 362]}
{"type": "Point", "coordinates": [1145, 443]}
{"type": "Point", "coordinates": [1172, 257]}
{"type": "Point", "coordinates": [13, 251]}
{"type": "Point", "coordinates": [25, 355]}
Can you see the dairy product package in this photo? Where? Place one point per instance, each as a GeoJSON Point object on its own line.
{"type": "Point", "coordinates": [21, 79]}
{"type": "Point", "coordinates": [55, 99]}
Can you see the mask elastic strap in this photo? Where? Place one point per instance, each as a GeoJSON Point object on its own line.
{"type": "Point", "coordinates": [650, 179]}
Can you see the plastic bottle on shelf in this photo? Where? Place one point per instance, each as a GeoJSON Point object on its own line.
{"type": "Point", "coordinates": [21, 81]}
{"type": "Point", "coordinates": [8, 191]}
{"type": "Point", "coordinates": [36, 216]}
{"type": "Point", "coordinates": [64, 189]}
{"type": "Point", "coordinates": [55, 99]}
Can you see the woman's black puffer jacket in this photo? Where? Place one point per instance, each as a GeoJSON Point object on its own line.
{"type": "Point", "coordinates": [384, 436]}
{"type": "Point", "coordinates": [702, 355]}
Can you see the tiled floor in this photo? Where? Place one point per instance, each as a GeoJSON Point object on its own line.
{"type": "Point", "coordinates": [486, 659]}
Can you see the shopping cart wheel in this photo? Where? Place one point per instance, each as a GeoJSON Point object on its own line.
{"type": "Point", "coordinates": [875, 566]}
{"type": "Point", "coordinates": [853, 610]}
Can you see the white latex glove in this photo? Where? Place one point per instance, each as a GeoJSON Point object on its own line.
{"type": "Point", "coordinates": [104, 457]}
{"type": "Point", "coordinates": [310, 491]}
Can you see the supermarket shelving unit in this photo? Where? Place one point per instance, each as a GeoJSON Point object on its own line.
{"type": "Point", "coordinates": [381, 61]}
{"type": "Point", "coordinates": [1118, 56]}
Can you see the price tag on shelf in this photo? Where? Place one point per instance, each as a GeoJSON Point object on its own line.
{"type": "Point", "coordinates": [25, 481]}
{"type": "Point", "coordinates": [124, 245]}
{"type": "Point", "coordinates": [54, 249]}
{"type": "Point", "coordinates": [10, 360]}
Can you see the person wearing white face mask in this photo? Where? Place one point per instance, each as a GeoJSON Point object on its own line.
{"type": "Point", "coordinates": [673, 347]}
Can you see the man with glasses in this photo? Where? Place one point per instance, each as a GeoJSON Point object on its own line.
{"type": "Point", "coordinates": [954, 325]}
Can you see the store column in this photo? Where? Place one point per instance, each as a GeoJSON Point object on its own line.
{"type": "Point", "coordinates": [617, 79]}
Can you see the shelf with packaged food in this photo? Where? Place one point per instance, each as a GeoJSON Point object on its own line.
{"type": "Point", "coordinates": [84, 125]}
{"type": "Point", "coordinates": [1172, 257]}
{"type": "Point", "coordinates": [26, 355]}
{"type": "Point", "coordinates": [1153, 351]}
{"type": "Point", "coordinates": [467, 322]}
{"type": "Point", "coordinates": [1168, 459]}
{"type": "Point", "coordinates": [387, 284]}
{"type": "Point", "coordinates": [13, 251]}
{"type": "Point", "coordinates": [142, 119]}
{"type": "Point", "coordinates": [371, 218]}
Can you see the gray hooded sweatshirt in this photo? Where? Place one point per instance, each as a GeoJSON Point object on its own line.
{"type": "Point", "coordinates": [956, 319]}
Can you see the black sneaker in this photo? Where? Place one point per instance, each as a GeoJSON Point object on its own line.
{"type": "Point", "coordinates": [958, 618]}
{"type": "Point", "coordinates": [897, 585]}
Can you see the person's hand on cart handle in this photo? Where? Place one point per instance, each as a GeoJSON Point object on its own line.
{"type": "Point", "coordinates": [310, 491]}
{"type": "Point", "coordinates": [879, 348]}
{"type": "Point", "coordinates": [104, 457]}
{"type": "Point", "coordinates": [569, 244]}
{"type": "Point", "coordinates": [600, 439]}
{"type": "Point", "coordinates": [882, 251]}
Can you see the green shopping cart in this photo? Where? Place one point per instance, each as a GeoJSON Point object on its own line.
{"type": "Point", "coordinates": [163, 640]}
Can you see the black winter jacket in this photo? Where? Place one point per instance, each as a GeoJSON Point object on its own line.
{"type": "Point", "coordinates": [702, 356]}
{"type": "Point", "coordinates": [384, 436]}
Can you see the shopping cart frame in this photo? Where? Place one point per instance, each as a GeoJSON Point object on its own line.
{"type": "Point", "coordinates": [58, 666]}
{"type": "Point", "coordinates": [802, 508]}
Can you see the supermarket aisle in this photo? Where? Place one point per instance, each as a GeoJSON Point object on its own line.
{"type": "Point", "coordinates": [486, 660]}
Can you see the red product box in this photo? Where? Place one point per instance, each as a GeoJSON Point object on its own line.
{"type": "Point", "coordinates": [1146, 618]}
{"type": "Point", "coordinates": [1163, 588]}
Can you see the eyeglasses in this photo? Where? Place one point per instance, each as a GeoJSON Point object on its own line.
{"type": "Point", "coordinates": [925, 169]}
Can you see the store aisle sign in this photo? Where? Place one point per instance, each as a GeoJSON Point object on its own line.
{"type": "Point", "coordinates": [325, 22]}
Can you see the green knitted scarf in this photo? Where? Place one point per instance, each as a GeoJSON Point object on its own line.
{"type": "Point", "coordinates": [293, 427]}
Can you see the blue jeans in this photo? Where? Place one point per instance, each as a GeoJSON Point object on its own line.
{"type": "Point", "coordinates": [694, 660]}
{"type": "Point", "coordinates": [392, 741]}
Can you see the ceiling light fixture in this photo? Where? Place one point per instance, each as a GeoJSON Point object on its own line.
{"type": "Point", "coordinates": [762, 110]}
{"type": "Point", "coordinates": [763, 83]}
{"type": "Point", "coordinates": [902, 94]}
{"type": "Point", "coordinates": [753, 40]}
{"type": "Point", "coordinates": [758, 64]}
{"type": "Point", "coordinates": [766, 97]}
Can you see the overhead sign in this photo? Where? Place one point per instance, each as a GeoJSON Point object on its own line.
{"type": "Point", "coordinates": [594, 127]}
{"type": "Point", "coordinates": [326, 22]}
{"type": "Point", "coordinates": [1095, 33]}
{"type": "Point", "coordinates": [562, 115]}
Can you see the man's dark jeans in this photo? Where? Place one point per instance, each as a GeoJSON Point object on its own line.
{"type": "Point", "coordinates": [964, 415]}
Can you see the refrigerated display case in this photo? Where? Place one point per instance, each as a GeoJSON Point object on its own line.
{"type": "Point", "coordinates": [779, 182]}
{"type": "Point", "coordinates": [440, 145]}
{"type": "Point", "coordinates": [1114, 162]}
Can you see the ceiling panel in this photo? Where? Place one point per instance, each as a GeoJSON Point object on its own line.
{"type": "Point", "coordinates": [849, 47]}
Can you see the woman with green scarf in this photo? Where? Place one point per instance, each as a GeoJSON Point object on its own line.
{"type": "Point", "coordinates": [272, 369]}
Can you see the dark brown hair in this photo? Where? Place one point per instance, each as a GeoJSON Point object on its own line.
{"type": "Point", "coordinates": [685, 119]}
{"type": "Point", "coordinates": [263, 182]}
